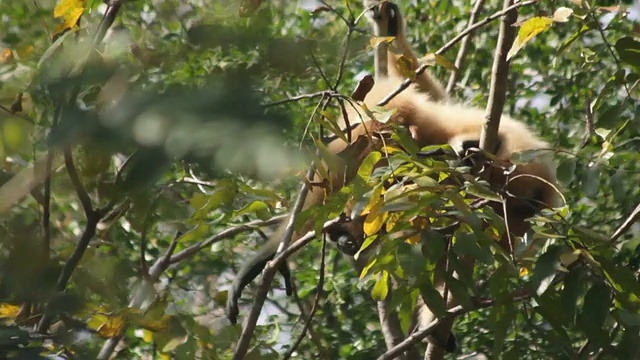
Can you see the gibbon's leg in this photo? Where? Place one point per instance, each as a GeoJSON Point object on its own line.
{"type": "Point", "coordinates": [388, 16]}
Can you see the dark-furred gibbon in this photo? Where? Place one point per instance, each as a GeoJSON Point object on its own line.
{"type": "Point", "coordinates": [431, 119]}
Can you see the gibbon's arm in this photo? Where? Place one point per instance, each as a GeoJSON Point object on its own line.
{"type": "Point", "coordinates": [388, 17]}
{"type": "Point", "coordinates": [345, 160]}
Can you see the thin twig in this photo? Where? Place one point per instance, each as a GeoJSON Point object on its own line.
{"type": "Point", "coordinates": [464, 46]}
{"type": "Point", "coordinates": [225, 234]}
{"type": "Point", "coordinates": [316, 301]}
{"type": "Point", "coordinates": [305, 317]}
{"type": "Point", "coordinates": [322, 93]}
{"type": "Point", "coordinates": [21, 116]}
{"type": "Point", "coordinates": [609, 47]}
{"type": "Point", "coordinates": [626, 224]}
{"type": "Point", "coordinates": [405, 84]}
{"type": "Point", "coordinates": [83, 196]}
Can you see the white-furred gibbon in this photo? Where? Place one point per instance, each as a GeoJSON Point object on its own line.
{"type": "Point", "coordinates": [431, 119]}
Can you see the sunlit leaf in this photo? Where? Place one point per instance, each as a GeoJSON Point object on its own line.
{"type": "Point", "coordinates": [374, 220]}
{"type": "Point", "coordinates": [375, 41]}
{"type": "Point", "coordinates": [112, 327]}
{"type": "Point", "coordinates": [562, 14]}
{"type": "Point", "coordinates": [527, 31]}
{"type": "Point", "coordinates": [405, 67]}
{"type": "Point", "coordinates": [9, 310]}
{"type": "Point", "coordinates": [70, 12]}
{"type": "Point", "coordinates": [432, 59]}
{"type": "Point", "coordinates": [381, 288]}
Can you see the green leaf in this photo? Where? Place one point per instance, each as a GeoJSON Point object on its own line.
{"type": "Point", "coordinates": [594, 313]}
{"type": "Point", "coordinates": [465, 243]}
{"type": "Point", "coordinates": [629, 50]}
{"type": "Point", "coordinates": [432, 298]}
{"type": "Point", "coordinates": [591, 181]}
{"type": "Point", "coordinates": [258, 207]}
{"type": "Point", "coordinates": [381, 288]}
{"type": "Point", "coordinates": [545, 270]}
{"type": "Point", "coordinates": [566, 170]}
{"type": "Point", "coordinates": [410, 259]}
{"type": "Point", "coordinates": [501, 317]}
{"type": "Point", "coordinates": [574, 288]}
{"type": "Point", "coordinates": [196, 233]}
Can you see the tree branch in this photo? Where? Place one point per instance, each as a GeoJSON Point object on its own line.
{"type": "Point", "coordinates": [316, 301]}
{"type": "Point", "coordinates": [464, 46]}
{"type": "Point", "coordinates": [624, 227]}
{"type": "Point", "coordinates": [499, 79]}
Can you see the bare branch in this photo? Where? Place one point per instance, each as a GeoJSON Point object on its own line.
{"type": "Point", "coordinates": [85, 200]}
{"type": "Point", "coordinates": [324, 93]}
{"type": "Point", "coordinates": [499, 79]}
{"type": "Point", "coordinates": [16, 114]}
{"type": "Point", "coordinates": [224, 234]}
{"type": "Point", "coordinates": [464, 46]}
{"type": "Point", "coordinates": [624, 227]}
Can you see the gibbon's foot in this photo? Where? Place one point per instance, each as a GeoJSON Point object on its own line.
{"type": "Point", "coordinates": [452, 343]}
{"type": "Point", "coordinates": [245, 276]}
{"type": "Point", "coordinates": [385, 13]}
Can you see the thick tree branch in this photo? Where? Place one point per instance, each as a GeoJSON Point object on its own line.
{"type": "Point", "coordinates": [499, 79]}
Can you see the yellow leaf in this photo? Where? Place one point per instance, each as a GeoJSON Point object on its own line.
{"type": "Point", "coordinates": [405, 67]}
{"type": "Point", "coordinates": [413, 239]}
{"type": "Point", "coordinates": [70, 11]}
{"type": "Point", "coordinates": [432, 59]}
{"type": "Point", "coordinates": [5, 55]}
{"type": "Point", "coordinates": [64, 6]}
{"type": "Point", "coordinates": [97, 320]}
{"type": "Point", "coordinates": [375, 41]}
{"type": "Point", "coordinates": [388, 149]}
{"type": "Point", "coordinates": [528, 30]}
{"type": "Point", "coordinates": [112, 327]}
{"type": "Point", "coordinates": [392, 221]}
{"type": "Point", "coordinates": [374, 220]}
{"type": "Point", "coordinates": [147, 335]}
{"type": "Point", "coordinates": [373, 200]}
{"type": "Point", "coordinates": [524, 272]}
{"type": "Point", "coordinates": [9, 310]}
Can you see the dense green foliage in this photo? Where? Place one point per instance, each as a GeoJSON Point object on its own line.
{"type": "Point", "coordinates": [157, 140]}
